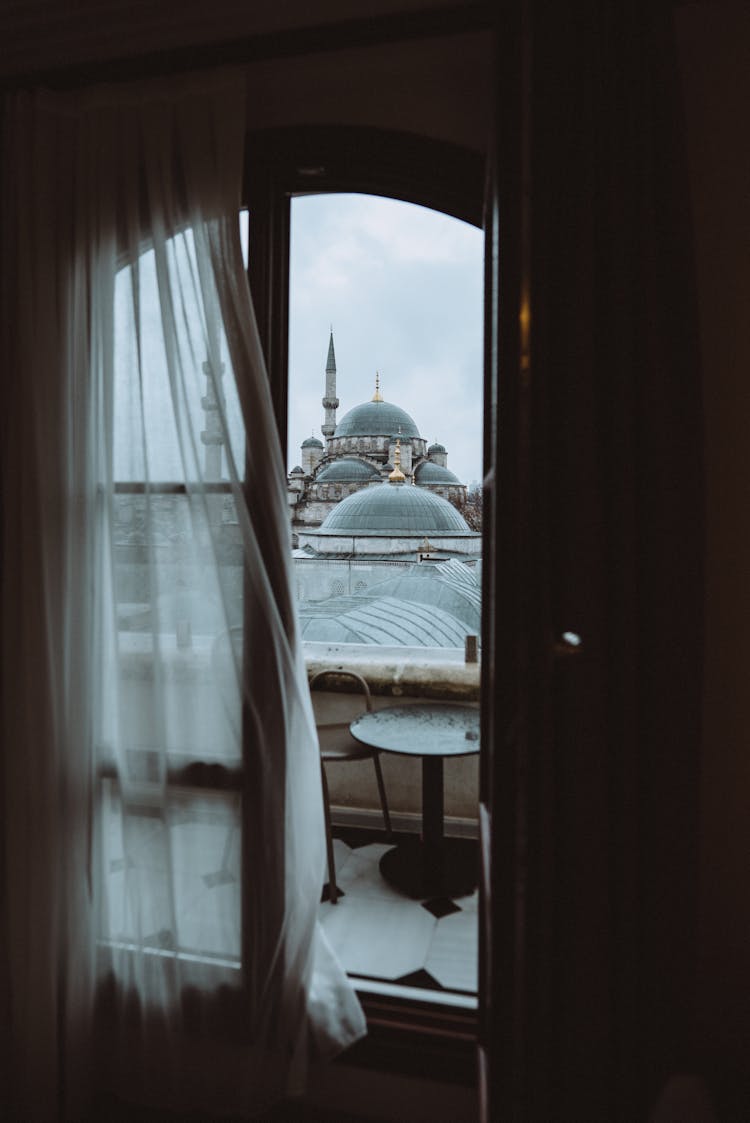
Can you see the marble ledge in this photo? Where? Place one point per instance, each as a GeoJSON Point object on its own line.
{"type": "Point", "coordinates": [389, 671]}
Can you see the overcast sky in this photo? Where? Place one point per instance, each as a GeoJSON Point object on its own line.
{"type": "Point", "coordinates": [402, 287]}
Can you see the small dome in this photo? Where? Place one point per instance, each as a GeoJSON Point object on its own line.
{"type": "Point", "coordinates": [347, 471]}
{"type": "Point", "coordinates": [312, 442]}
{"type": "Point", "coordinates": [394, 509]}
{"type": "Point", "coordinates": [376, 419]}
{"type": "Point", "coordinates": [297, 471]}
{"type": "Point", "coordinates": [436, 448]}
{"type": "Point", "coordinates": [428, 473]}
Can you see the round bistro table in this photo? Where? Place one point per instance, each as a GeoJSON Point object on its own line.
{"type": "Point", "coordinates": [432, 866]}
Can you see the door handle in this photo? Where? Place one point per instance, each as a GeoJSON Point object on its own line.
{"type": "Point", "coordinates": [567, 645]}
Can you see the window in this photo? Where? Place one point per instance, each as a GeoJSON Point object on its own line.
{"type": "Point", "coordinates": [403, 287]}
{"type": "Point", "coordinates": [173, 518]}
{"type": "Point", "coordinates": [351, 160]}
{"type": "Point", "coordinates": [158, 516]}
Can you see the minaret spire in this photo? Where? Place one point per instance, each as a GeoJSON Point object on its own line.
{"type": "Point", "coordinates": [330, 401]}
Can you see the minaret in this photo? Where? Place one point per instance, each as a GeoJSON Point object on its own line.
{"type": "Point", "coordinates": [330, 401]}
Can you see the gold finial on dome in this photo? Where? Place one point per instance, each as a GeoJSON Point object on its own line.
{"type": "Point", "coordinates": [397, 476]}
{"type": "Point", "coordinates": [377, 396]}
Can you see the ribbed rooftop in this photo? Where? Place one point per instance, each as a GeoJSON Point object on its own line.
{"type": "Point", "coordinates": [429, 606]}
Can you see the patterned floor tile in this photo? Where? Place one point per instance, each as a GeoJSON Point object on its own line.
{"type": "Point", "coordinates": [441, 906]}
{"type": "Point", "coordinates": [452, 957]}
{"type": "Point", "coordinates": [325, 894]}
{"type": "Point", "coordinates": [470, 903]}
{"type": "Point", "coordinates": [361, 876]}
{"type": "Point", "coordinates": [376, 931]}
{"type": "Point", "coordinates": [421, 979]}
{"type": "Point", "coordinates": [382, 939]}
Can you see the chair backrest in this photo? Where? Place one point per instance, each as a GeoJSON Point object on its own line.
{"type": "Point", "coordinates": [334, 710]}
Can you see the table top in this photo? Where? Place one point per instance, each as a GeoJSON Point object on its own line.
{"type": "Point", "coordinates": [424, 729]}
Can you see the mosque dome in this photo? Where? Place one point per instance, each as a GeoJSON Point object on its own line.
{"type": "Point", "coordinates": [394, 510]}
{"type": "Point", "coordinates": [297, 471]}
{"type": "Point", "coordinates": [437, 447]}
{"type": "Point", "coordinates": [377, 419]}
{"type": "Point", "coordinates": [429, 473]}
{"type": "Point", "coordinates": [347, 470]}
{"type": "Point", "coordinates": [312, 442]}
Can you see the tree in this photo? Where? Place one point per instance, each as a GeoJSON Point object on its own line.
{"type": "Point", "coordinates": [470, 506]}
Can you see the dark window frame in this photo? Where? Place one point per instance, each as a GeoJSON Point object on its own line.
{"type": "Point", "coordinates": [411, 1035]}
{"type": "Point", "coordinates": [407, 1035]}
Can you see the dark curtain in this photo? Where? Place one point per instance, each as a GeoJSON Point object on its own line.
{"type": "Point", "coordinates": [617, 509]}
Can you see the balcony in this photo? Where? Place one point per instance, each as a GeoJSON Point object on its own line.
{"type": "Point", "coordinates": [378, 932]}
{"type": "Point", "coordinates": [386, 940]}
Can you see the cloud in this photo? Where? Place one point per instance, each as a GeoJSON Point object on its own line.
{"type": "Point", "coordinates": [403, 288]}
{"type": "Point", "coordinates": [410, 234]}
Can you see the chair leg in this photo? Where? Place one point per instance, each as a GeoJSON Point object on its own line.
{"type": "Point", "coordinates": [381, 789]}
{"type": "Point", "coordinates": [332, 890]}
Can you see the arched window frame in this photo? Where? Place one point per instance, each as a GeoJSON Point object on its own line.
{"type": "Point", "coordinates": [404, 1034]}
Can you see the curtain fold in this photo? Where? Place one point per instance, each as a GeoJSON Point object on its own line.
{"type": "Point", "coordinates": [163, 842]}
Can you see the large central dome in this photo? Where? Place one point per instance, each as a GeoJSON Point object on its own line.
{"type": "Point", "coordinates": [394, 509]}
{"type": "Point", "coordinates": [376, 419]}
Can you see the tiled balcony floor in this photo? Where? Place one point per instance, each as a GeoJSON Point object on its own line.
{"type": "Point", "coordinates": [379, 933]}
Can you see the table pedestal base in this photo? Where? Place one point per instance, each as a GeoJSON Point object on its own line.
{"type": "Point", "coordinates": [421, 871]}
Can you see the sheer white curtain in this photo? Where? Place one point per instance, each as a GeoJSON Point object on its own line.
{"type": "Point", "coordinates": [162, 832]}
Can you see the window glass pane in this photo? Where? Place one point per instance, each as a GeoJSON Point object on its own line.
{"type": "Point", "coordinates": [171, 737]}
{"type": "Point", "coordinates": [177, 560]}
{"type": "Point", "coordinates": [173, 876]}
{"type": "Point", "coordinates": [165, 326]}
{"type": "Point", "coordinates": [384, 455]}
{"type": "Point", "coordinates": [385, 366]}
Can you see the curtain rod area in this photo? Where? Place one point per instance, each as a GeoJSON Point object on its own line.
{"type": "Point", "coordinates": [264, 46]}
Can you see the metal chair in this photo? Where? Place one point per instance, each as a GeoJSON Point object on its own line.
{"type": "Point", "coordinates": [334, 711]}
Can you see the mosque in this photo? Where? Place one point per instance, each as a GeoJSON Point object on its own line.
{"type": "Point", "coordinates": [382, 554]}
{"type": "Point", "coordinates": [375, 489]}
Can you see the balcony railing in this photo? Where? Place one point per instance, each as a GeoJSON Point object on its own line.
{"type": "Point", "coordinates": [394, 674]}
